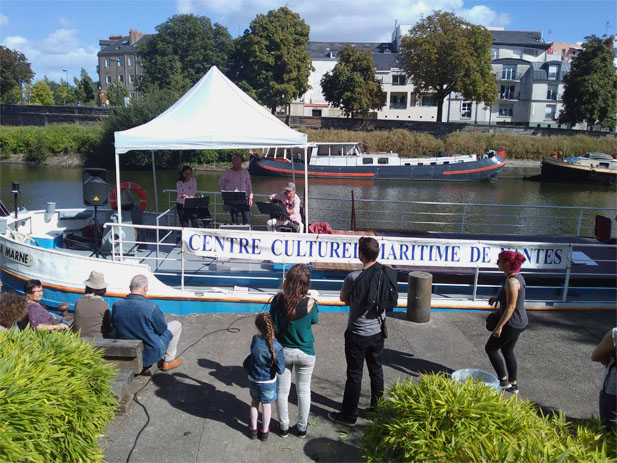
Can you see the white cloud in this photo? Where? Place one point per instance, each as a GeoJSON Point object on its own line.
{"type": "Point", "coordinates": [59, 40]}
{"type": "Point", "coordinates": [484, 16]}
{"type": "Point", "coordinates": [65, 22]}
{"type": "Point", "coordinates": [4, 21]}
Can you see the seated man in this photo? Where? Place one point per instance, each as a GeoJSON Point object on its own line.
{"type": "Point", "coordinates": [135, 317]}
{"type": "Point", "coordinates": [292, 203]}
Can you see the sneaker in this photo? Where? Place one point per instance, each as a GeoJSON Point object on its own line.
{"type": "Point", "coordinates": [302, 434]}
{"type": "Point", "coordinates": [513, 388]}
{"type": "Point", "coordinates": [263, 436]}
{"type": "Point", "coordinates": [252, 433]}
{"type": "Point", "coordinates": [341, 419]}
{"type": "Point", "coordinates": [171, 365]}
{"type": "Point", "coordinates": [283, 432]}
{"type": "Point", "coordinates": [505, 384]}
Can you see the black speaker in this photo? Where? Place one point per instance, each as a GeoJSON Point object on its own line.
{"type": "Point", "coordinates": [95, 187]}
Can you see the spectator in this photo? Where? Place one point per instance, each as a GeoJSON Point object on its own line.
{"type": "Point", "coordinates": [38, 317]}
{"type": "Point", "coordinates": [92, 316]}
{"type": "Point", "coordinates": [135, 317]}
{"type": "Point", "coordinates": [13, 307]}
{"type": "Point", "coordinates": [605, 354]}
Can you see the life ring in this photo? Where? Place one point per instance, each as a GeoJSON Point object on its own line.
{"type": "Point", "coordinates": [132, 186]}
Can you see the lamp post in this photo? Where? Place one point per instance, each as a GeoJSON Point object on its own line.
{"type": "Point", "coordinates": [67, 83]}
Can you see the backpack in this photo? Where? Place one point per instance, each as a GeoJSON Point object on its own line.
{"type": "Point", "coordinates": [375, 288]}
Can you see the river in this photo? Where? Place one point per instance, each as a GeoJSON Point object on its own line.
{"type": "Point", "coordinates": [64, 187]}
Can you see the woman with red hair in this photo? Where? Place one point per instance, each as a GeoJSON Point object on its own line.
{"type": "Point", "coordinates": [513, 320]}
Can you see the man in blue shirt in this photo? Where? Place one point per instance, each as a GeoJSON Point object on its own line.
{"type": "Point", "coordinates": [136, 317]}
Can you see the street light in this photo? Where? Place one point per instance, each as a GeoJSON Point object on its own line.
{"type": "Point", "coordinates": [67, 84]}
{"type": "Point", "coordinates": [117, 60]}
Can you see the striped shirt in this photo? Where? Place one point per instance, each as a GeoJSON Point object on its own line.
{"type": "Point", "coordinates": [236, 180]}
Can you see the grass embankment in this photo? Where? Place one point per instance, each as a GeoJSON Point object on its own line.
{"type": "Point", "coordinates": [76, 145]}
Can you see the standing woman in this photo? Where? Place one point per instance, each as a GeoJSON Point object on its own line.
{"type": "Point", "coordinates": [186, 187]}
{"type": "Point", "coordinates": [605, 353]}
{"type": "Point", "coordinates": [513, 320]}
{"type": "Point", "coordinates": [294, 313]}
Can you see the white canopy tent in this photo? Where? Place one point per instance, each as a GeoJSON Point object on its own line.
{"type": "Point", "coordinates": [213, 114]}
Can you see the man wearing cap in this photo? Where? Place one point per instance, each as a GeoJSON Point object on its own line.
{"type": "Point", "coordinates": [92, 316]}
{"type": "Point", "coordinates": [237, 179]}
{"type": "Point", "coordinates": [292, 203]}
{"type": "Point", "coordinates": [136, 317]}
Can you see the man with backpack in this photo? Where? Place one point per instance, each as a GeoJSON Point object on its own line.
{"type": "Point", "coordinates": [370, 293]}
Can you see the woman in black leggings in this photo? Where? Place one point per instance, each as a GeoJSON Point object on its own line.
{"type": "Point", "coordinates": [513, 320]}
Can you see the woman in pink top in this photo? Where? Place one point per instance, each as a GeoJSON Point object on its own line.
{"type": "Point", "coordinates": [187, 188]}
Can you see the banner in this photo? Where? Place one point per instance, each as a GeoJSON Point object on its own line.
{"type": "Point", "coordinates": [399, 251]}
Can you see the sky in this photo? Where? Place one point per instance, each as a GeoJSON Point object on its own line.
{"type": "Point", "coordinates": [59, 37]}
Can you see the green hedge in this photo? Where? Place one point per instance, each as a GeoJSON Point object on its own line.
{"type": "Point", "coordinates": [440, 420]}
{"type": "Point", "coordinates": [55, 397]}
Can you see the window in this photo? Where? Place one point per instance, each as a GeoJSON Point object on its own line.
{"type": "Point", "coordinates": [107, 62]}
{"type": "Point", "coordinates": [551, 93]}
{"type": "Point", "coordinates": [316, 112]}
{"type": "Point", "coordinates": [494, 53]}
{"type": "Point", "coordinates": [429, 100]}
{"type": "Point", "coordinates": [121, 78]}
{"type": "Point", "coordinates": [130, 62]}
{"type": "Point", "coordinates": [108, 79]}
{"type": "Point", "coordinates": [132, 94]}
{"type": "Point", "coordinates": [399, 79]}
{"type": "Point", "coordinates": [131, 78]}
{"type": "Point", "coordinates": [367, 160]}
{"type": "Point", "coordinates": [506, 92]}
{"type": "Point", "coordinates": [398, 101]}
{"type": "Point", "coordinates": [552, 73]}
{"type": "Point", "coordinates": [505, 110]}
{"type": "Point", "coordinates": [549, 112]}
{"type": "Point", "coordinates": [120, 62]}
{"type": "Point", "coordinates": [508, 72]}
{"type": "Point", "coordinates": [466, 110]}
{"type": "Point", "coordinates": [382, 161]}
{"type": "Point", "coordinates": [517, 53]}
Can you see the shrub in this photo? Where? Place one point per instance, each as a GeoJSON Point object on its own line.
{"type": "Point", "coordinates": [442, 420]}
{"type": "Point", "coordinates": [55, 397]}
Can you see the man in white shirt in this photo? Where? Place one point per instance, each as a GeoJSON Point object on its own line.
{"type": "Point", "coordinates": [291, 202]}
{"type": "Point", "coordinates": [237, 179]}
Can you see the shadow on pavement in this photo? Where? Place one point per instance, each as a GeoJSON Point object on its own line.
{"type": "Point", "coordinates": [202, 400]}
{"type": "Point", "coordinates": [329, 450]}
{"type": "Point", "coordinates": [409, 364]}
{"type": "Point", "coordinates": [228, 375]}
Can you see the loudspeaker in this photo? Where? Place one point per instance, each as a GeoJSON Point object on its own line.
{"type": "Point", "coordinates": [95, 187]}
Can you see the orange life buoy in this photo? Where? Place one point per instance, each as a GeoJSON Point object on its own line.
{"type": "Point", "coordinates": [131, 186]}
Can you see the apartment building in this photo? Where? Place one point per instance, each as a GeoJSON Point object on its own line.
{"type": "Point", "coordinates": [118, 60]}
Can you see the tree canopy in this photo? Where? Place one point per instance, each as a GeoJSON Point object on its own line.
{"type": "Point", "coordinates": [15, 71]}
{"type": "Point", "coordinates": [272, 62]}
{"type": "Point", "coordinates": [85, 88]}
{"type": "Point", "coordinates": [116, 91]}
{"type": "Point", "coordinates": [352, 85]}
{"type": "Point", "coordinates": [184, 48]}
{"type": "Point", "coordinates": [590, 88]}
{"type": "Point", "coordinates": [41, 94]}
{"type": "Point", "coordinates": [444, 54]}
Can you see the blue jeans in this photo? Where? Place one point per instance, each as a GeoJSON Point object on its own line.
{"type": "Point", "coordinates": [304, 364]}
{"type": "Point", "coordinates": [263, 392]}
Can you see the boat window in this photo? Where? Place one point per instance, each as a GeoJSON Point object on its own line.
{"type": "Point", "coordinates": [604, 164]}
{"type": "Point", "coordinates": [420, 163]}
{"type": "Point", "coordinates": [433, 163]}
{"type": "Point", "coordinates": [446, 162]}
{"type": "Point", "coordinates": [367, 160]}
{"type": "Point", "coordinates": [461, 161]}
{"type": "Point", "coordinates": [382, 160]}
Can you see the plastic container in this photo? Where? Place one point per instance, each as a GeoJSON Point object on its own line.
{"type": "Point", "coordinates": [487, 378]}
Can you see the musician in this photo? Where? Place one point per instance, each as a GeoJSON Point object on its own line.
{"type": "Point", "coordinates": [186, 186]}
{"type": "Point", "coordinates": [237, 179]}
{"type": "Point", "coordinates": [292, 203]}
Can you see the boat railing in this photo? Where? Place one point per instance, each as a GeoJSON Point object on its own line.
{"type": "Point", "coordinates": [584, 262]}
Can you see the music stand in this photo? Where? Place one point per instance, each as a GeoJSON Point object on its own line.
{"type": "Point", "coordinates": [198, 208]}
{"type": "Point", "coordinates": [236, 199]}
{"type": "Point", "coordinates": [275, 210]}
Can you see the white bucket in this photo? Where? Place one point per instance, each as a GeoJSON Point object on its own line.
{"type": "Point", "coordinates": [487, 378]}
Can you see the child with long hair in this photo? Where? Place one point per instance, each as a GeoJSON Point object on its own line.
{"type": "Point", "coordinates": [262, 365]}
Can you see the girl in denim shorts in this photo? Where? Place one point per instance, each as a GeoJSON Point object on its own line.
{"type": "Point", "coordinates": [262, 365]}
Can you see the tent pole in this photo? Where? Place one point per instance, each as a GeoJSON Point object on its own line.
{"type": "Point", "coordinates": [156, 194]}
{"type": "Point", "coordinates": [119, 198]}
{"type": "Point", "coordinates": [306, 189]}
{"type": "Point", "coordinates": [293, 169]}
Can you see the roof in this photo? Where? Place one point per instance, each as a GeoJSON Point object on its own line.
{"type": "Point", "coordinates": [120, 45]}
{"type": "Point", "coordinates": [529, 39]}
{"type": "Point", "coordinates": [213, 114]}
{"type": "Point", "coordinates": [540, 70]}
{"type": "Point", "coordinates": [322, 50]}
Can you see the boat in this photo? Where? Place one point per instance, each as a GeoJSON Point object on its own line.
{"type": "Point", "coordinates": [347, 161]}
{"type": "Point", "coordinates": [593, 167]}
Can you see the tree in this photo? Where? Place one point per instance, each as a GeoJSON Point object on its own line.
{"type": "Point", "coordinates": [15, 71]}
{"type": "Point", "coordinates": [352, 85]}
{"type": "Point", "coordinates": [272, 58]}
{"type": "Point", "coordinates": [116, 92]}
{"type": "Point", "coordinates": [444, 54]}
{"type": "Point", "coordinates": [183, 50]}
{"type": "Point", "coordinates": [590, 88]}
{"type": "Point", "coordinates": [85, 88]}
{"type": "Point", "coordinates": [41, 94]}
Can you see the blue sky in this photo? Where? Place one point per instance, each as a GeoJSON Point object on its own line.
{"type": "Point", "coordinates": [64, 34]}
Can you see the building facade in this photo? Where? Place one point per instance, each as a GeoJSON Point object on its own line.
{"type": "Point", "coordinates": [118, 60]}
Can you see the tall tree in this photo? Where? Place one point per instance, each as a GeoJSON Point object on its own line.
{"type": "Point", "coordinates": [15, 71]}
{"type": "Point", "coordinates": [444, 54]}
{"type": "Point", "coordinates": [41, 94]}
{"type": "Point", "coordinates": [590, 88]}
{"type": "Point", "coordinates": [187, 45]}
{"type": "Point", "coordinates": [272, 60]}
{"type": "Point", "coordinates": [116, 92]}
{"type": "Point", "coordinates": [85, 88]}
{"type": "Point", "coordinates": [352, 85]}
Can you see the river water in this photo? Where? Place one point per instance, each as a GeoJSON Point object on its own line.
{"type": "Point", "coordinates": [64, 187]}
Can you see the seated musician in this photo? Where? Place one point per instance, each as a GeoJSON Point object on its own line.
{"type": "Point", "coordinates": [292, 203]}
{"type": "Point", "coordinates": [186, 186]}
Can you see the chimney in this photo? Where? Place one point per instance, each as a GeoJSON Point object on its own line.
{"type": "Point", "coordinates": [115, 37]}
{"type": "Point", "coordinates": [134, 36]}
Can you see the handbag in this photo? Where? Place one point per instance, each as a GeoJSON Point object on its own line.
{"type": "Point", "coordinates": [492, 320]}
